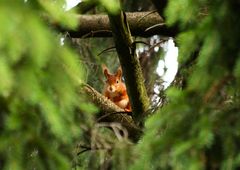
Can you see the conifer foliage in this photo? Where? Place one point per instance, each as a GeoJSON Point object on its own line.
{"type": "Point", "coordinates": [199, 128]}
{"type": "Point", "coordinates": [38, 87]}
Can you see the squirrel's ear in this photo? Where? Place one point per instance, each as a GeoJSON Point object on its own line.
{"type": "Point", "coordinates": [119, 73]}
{"type": "Point", "coordinates": [105, 70]}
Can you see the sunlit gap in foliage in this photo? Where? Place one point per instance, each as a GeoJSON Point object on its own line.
{"type": "Point", "coordinates": [62, 41]}
{"type": "Point", "coordinates": [71, 3]}
{"type": "Point", "coordinates": [167, 67]}
{"type": "Point", "coordinates": [167, 70]}
{"type": "Point", "coordinates": [162, 54]}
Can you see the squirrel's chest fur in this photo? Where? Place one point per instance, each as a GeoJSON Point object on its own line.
{"type": "Point", "coordinates": [119, 98]}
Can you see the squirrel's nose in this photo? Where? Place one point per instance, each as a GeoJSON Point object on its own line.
{"type": "Point", "coordinates": [111, 88]}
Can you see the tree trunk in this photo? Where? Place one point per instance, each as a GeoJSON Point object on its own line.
{"type": "Point", "coordinates": [130, 65]}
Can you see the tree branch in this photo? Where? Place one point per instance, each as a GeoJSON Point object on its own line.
{"type": "Point", "coordinates": [139, 24]}
{"type": "Point", "coordinates": [131, 67]}
{"type": "Point", "coordinates": [112, 113]}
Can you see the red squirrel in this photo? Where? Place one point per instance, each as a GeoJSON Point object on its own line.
{"type": "Point", "coordinates": [115, 89]}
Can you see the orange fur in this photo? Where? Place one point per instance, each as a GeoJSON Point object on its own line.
{"type": "Point", "coordinates": [115, 89]}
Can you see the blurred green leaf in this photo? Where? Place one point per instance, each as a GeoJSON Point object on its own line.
{"type": "Point", "coordinates": [56, 11]}
{"type": "Point", "coordinates": [7, 79]}
{"type": "Point", "coordinates": [113, 6]}
{"type": "Point", "coordinates": [89, 108]}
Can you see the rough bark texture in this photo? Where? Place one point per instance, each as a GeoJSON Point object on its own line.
{"type": "Point", "coordinates": [112, 113]}
{"type": "Point", "coordinates": [143, 24]}
{"type": "Point", "coordinates": [130, 65]}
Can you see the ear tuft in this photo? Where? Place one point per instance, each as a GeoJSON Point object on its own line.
{"type": "Point", "coordinates": [119, 73]}
{"type": "Point", "coordinates": [105, 70]}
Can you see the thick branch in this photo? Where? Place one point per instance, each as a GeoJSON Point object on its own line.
{"type": "Point", "coordinates": [139, 23]}
{"type": "Point", "coordinates": [112, 113]}
{"type": "Point", "coordinates": [131, 67]}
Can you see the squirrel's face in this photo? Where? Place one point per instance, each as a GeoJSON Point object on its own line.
{"type": "Point", "coordinates": [113, 83]}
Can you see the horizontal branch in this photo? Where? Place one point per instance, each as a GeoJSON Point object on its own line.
{"type": "Point", "coordinates": [143, 24]}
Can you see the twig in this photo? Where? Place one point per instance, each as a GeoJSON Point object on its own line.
{"type": "Point", "coordinates": [117, 128]}
{"type": "Point", "coordinates": [88, 148]}
{"type": "Point", "coordinates": [154, 26]}
{"type": "Point", "coordinates": [157, 44]}
{"type": "Point", "coordinates": [91, 33]}
{"type": "Point", "coordinates": [140, 42]}
{"type": "Point", "coordinates": [107, 49]}
{"type": "Point", "coordinates": [146, 15]}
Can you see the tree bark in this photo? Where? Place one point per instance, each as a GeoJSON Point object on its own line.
{"type": "Point", "coordinates": [130, 65]}
{"type": "Point", "coordinates": [143, 24]}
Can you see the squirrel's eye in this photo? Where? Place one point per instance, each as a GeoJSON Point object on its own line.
{"type": "Point", "coordinates": [117, 81]}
